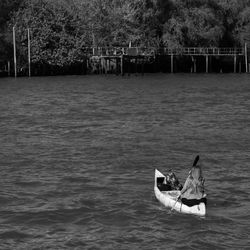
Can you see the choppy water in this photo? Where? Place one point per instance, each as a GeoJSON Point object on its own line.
{"type": "Point", "coordinates": [77, 159]}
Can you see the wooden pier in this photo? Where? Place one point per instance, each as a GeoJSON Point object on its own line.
{"type": "Point", "coordinates": [128, 60]}
{"type": "Point", "coordinates": [119, 56]}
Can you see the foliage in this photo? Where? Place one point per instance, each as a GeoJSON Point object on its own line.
{"type": "Point", "coordinates": [193, 23]}
{"type": "Point", "coordinates": [242, 28]}
{"type": "Point", "coordinates": [55, 36]}
{"type": "Point", "coordinates": [107, 22]}
{"type": "Point", "coordinates": [6, 9]}
{"type": "Point", "coordinates": [60, 29]}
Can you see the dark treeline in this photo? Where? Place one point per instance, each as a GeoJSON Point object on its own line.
{"type": "Point", "coordinates": [60, 29]}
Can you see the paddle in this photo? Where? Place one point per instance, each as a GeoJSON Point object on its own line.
{"type": "Point", "coordinates": [194, 164]}
{"type": "Point", "coordinates": [178, 197]}
{"type": "Point", "coordinates": [196, 160]}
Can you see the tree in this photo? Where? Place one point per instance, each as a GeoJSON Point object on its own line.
{"type": "Point", "coordinates": [6, 9]}
{"type": "Point", "coordinates": [193, 23]}
{"type": "Point", "coordinates": [116, 22]}
{"type": "Point", "coordinates": [55, 36]}
{"type": "Point", "coordinates": [61, 29]}
{"type": "Point", "coordinates": [242, 28]}
{"type": "Point", "coordinates": [234, 15]}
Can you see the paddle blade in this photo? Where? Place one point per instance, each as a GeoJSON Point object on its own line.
{"type": "Point", "coordinates": [196, 160]}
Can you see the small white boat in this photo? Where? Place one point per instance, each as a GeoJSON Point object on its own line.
{"type": "Point", "coordinates": [168, 198]}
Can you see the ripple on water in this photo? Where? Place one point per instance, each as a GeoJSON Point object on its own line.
{"type": "Point", "coordinates": [14, 235]}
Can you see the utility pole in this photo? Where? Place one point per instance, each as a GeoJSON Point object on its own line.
{"type": "Point", "coordinates": [29, 52]}
{"type": "Point", "coordinates": [14, 48]}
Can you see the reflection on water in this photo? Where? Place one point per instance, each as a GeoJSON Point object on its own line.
{"type": "Point", "coordinates": [78, 155]}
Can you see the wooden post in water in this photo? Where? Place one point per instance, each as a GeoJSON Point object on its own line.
{"type": "Point", "coordinates": [194, 61]}
{"type": "Point", "coordinates": [14, 48]}
{"type": "Point", "coordinates": [87, 65]}
{"type": "Point", "coordinates": [116, 66]}
{"type": "Point", "coordinates": [172, 63]}
{"type": "Point", "coordinates": [8, 68]}
{"type": "Point", "coordinates": [106, 66]}
{"type": "Point", "coordinates": [136, 64]}
{"type": "Point", "coordinates": [122, 73]}
{"type": "Point", "coordinates": [246, 58]}
{"type": "Point", "coordinates": [100, 66]}
{"type": "Point", "coordinates": [192, 67]}
{"type": "Point", "coordinates": [235, 63]}
{"type": "Point", "coordinates": [143, 62]}
{"type": "Point", "coordinates": [206, 63]}
{"type": "Point", "coordinates": [129, 65]}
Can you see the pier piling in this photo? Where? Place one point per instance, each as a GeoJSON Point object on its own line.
{"type": "Point", "coordinates": [235, 63]}
{"type": "Point", "coordinates": [122, 61]}
{"type": "Point", "coordinates": [206, 63]}
{"type": "Point", "coordinates": [172, 63]}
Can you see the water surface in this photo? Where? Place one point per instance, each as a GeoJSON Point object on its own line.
{"type": "Point", "coordinates": [78, 155]}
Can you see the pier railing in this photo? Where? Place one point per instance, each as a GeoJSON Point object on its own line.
{"type": "Point", "coordinates": [205, 51]}
{"type": "Point", "coordinates": [151, 51]}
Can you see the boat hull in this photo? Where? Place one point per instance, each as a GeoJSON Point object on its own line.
{"type": "Point", "coordinates": [168, 199]}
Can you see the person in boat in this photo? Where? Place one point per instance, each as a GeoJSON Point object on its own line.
{"type": "Point", "coordinates": [193, 192]}
{"type": "Point", "coordinates": [172, 181]}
